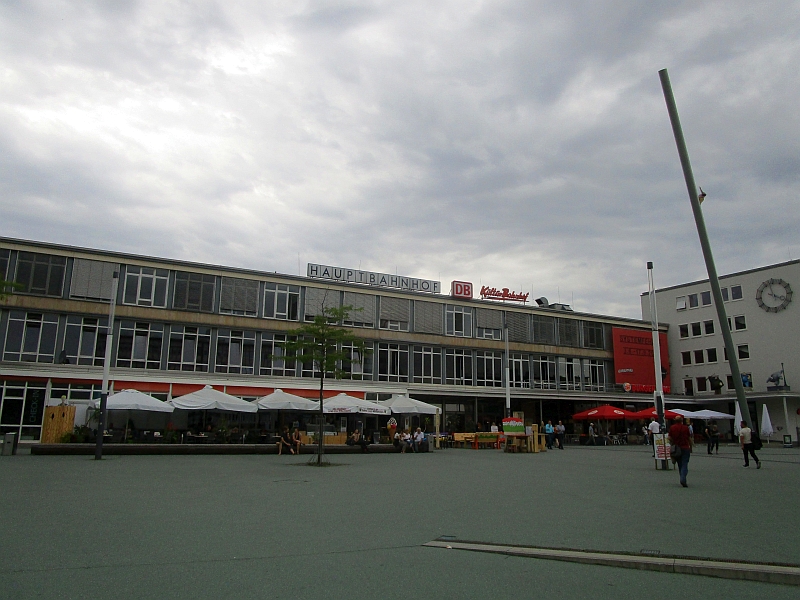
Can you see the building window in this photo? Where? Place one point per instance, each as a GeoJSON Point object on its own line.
{"type": "Point", "coordinates": [705, 298]}
{"type": "Point", "coordinates": [145, 286]}
{"type": "Point", "coordinates": [140, 345]}
{"type": "Point", "coordinates": [392, 362]}
{"type": "Point", "coordinates": [688, 387]}
{"type": "Point", "coordinates": [360, 366]}
{"type": "Point", "coordinates": [5, 258]}
{"type": "Point", "coordinates": [238, 297]}
{"type": "Point", "coordinates": [568, 334]}
{"type": "Point", "coordinates": [592, 334]}
{"type": "Point", "coordinates": [519, 371]}
{"type": "Point", "coordinates": [708, 326]}
{"type": "Point", "coordinates": [680, 303]}
{"type": "Point", "coordinates": [458, 321]}
{"type": "Point", "coordinates": [711, 355]}
{"type": "Point", "coordinates": [544, 373]}
{"type": "Point", "coordinates": [544, 329]}
{"type": "Point", "coordinates": [569, 373]}
{"type": "Point", "coordinates": [736, 292]}
{"type": "Point", "coordinates": [427, 364]}
{"type": "Point", "coordinates": [684, 331]}
{"type": "Point", "coordinates": [31, 337]}
{"type": "Point", "coordinates": [697, 330]}
{"type": "Point", "coordinates": [739, 323]}
{"type": "Point", "coordinates": [458, 366]}
{"type": "Point", "coordinates": [194, 291]}
{"type": "Point", "coordinates": [84, 341]}
{"type": "Point", "coordinates": [236, 351]}
{"type": "Point", "coordinates": [743, 350]}
{"type": "Point", "coordinates": [281, 301]}
{"type": "Point", "coordinates": [395, 313]}
{"type": "Point", "coordinates": [22, 408]}
{"type": "Point", "coordinates": [189, 348]}
{"type": "Point", "coordinates": [698, 357]}
{"type": "Point", "coordinates": [92, 279]}
{"type": "Point", "coordinates": [41, 274]}
{"type": "Point", "coordinates": [394, 325]}
{"type": "Point", "coordinates": [489, 368]}
{"type": "Point", "coordinates": [363, 313]}
{"type": "Point", "coordinates": [747, 380]}
{"type": "Point", "coordinates": [275, 360]}
{"type": "Point", "coordinates": [702, 384]}
{"type": "Point", "coordinates": [686, 358]}
{"type": "Point", "coordinates": [594, 375]}
{"type": "Point", "coordinates": [693, 303]}
{"type": "Point", "coordinates": [485, 333]}
{"type": "Point", "coordinates": [724, 292]}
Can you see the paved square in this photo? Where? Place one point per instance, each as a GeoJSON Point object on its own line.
{"type": "Point", "coordinates": [268, 526]}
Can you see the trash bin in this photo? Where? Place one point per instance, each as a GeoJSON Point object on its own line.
{"type": "Point", "coordinates": [9, 444]}
{"type": "Point", "coordinates": [787, 441]}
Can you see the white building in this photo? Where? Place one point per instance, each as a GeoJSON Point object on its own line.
{"type": "Point", "coordinates": [765, 326]}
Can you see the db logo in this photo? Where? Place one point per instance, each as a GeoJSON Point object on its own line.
{"type": "Point", "coordinates": [461, 289]}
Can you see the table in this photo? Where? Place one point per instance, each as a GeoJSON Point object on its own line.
{"type": "Point", "coordinates": [518, 441]}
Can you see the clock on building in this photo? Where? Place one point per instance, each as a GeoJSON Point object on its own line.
{"type": "Point", "coordinates": [774, 295]}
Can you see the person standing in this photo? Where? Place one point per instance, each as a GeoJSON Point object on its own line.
{"type": "Point", "coordinates": [549, 431]}
{"type": "Point", "coordinates": [561, 432]}
{"type": "Point", "coordinates": [592, 435]}
{"type": "Point", "coordinates": [654, 428]}
{"type": "Point", "coordinates": [679, 436]}
{"type": "Point", "coordinates": [712, 432]}
{"type": "Point", "coordinates": [748, 447]}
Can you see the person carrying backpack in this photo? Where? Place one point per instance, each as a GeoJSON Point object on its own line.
{"type": "Point", "coordinates": [747, 439]}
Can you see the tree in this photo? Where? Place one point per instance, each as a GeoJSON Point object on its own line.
{"type": "Point", "coordinates": [7, 288]}
{"type": "Point", "coordinates": [321, 343]}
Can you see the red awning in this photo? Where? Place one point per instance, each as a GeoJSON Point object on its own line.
{"type": "Point", "coordinates": [605, 412]}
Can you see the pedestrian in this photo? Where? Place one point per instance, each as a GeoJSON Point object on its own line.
{"type": "Point", "coordinates": [679, 437]}
{"type": "Point", "coordinates": [712, 432]}
{"type": "Point", "coordinates": [592, 435]}
{"type": "Point", "coordinates": [646, 435]}
{"type": "Point", "coordinates": [561, 433]}
{"type": "Point", "coordinates": [748, 447]}
{"type": "Point", "coordinates": [549, 431]}
{"type": "Point", "coordinates": [654, 429]}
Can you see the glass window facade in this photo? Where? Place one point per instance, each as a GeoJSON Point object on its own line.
{"type": "Point", "coordinates": [458, 366]}
{"type": "Point", "coordinates": [274, 358]}
{"type": "Point", "coordinates": [238, 297]}
{"type": "Point", "coordinates": [41, 274]}
{"type": "Point", "coordinates": [189, 348]}
{"type": "Point", "coordinates": [236, 351]}
{"type": "Point", "coordinates": [145, 286]}
{"type": "Point", "coordinates": [544, 372]}
{"type": "Point", "coordinates": [458, 321]}
{"type": "Point", "coordinates": [140, 345]}
{"type": "Point", "coordinates": [427, 364]}
{"type": "Point", "coordinates": [281, 301]}
{"type": "Point", "coordinates": [489, 368]}
{"type": "Point", "coordinates": [84, 341]}
{"type": "Point", "coordinates": [392, 362]}
{"type": "Point", "coordinates": [194, 291]}
{"type": "Point", "coordinates": [519, 370]}
{"type": "Point", "coordinates": [31, 337]}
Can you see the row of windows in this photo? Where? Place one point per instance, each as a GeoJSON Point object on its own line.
{"type": "Point", "coordinates": [150, 287]}
{"type": "Point", "coordinates": [704, 298]}
{"type": "Point", "coordinates": [709, 355]}
{"type": "Point", "coordinates": [713, 384]}
{"type": "Point", "coordinates": [737, 323]}
{"type": "Point", "coordinates": [31, 337]}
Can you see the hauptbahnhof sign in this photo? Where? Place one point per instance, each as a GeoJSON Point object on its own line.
{"type": "Point", "coordinates": [374, 279]}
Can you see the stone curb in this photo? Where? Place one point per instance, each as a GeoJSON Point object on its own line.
{"type": "Point", "coordinates": [185, 449]}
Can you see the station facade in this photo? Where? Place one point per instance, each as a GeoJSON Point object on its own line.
{"type": "Point", "coordinates": [180, 326]}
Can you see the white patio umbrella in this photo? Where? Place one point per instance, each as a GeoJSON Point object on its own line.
{"type": "Point", "coordinates": [401, 404]}
{"type": "Point", "coordinates": [687, 413]}
{"type": "Point", "coordinates": [280, 400]}
{"type": "Point", "coordinates": [710, 414]}
{"type": "Point", "coordinates": [766, 423]}
{"type": "Point", "coordinates": [345, 404]}
{"type": "Point", "coordinates": [210, 399]}
{"type": "Point", "coordinates": [135, 400]}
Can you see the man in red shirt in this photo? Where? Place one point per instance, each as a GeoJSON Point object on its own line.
{"type": "Point", "coordinates": [679, 436]}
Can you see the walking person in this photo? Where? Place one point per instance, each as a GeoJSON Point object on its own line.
{"type": "Point", "coordinates": [679, 436]}
{"type": "Point", "coordinates": [748, 446]}
{"type": "Point", "coordinates": [654, 429]}
{"type": "Point", "coordinates": [549, 431]}
{"type": "Point", "coordinates": [561, 433]}
{"type": "Point", "coordinates": [712, 432]}
{"type": "Point", "coordinates": [592, 436]}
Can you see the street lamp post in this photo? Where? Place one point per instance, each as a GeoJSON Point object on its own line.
{"type": "Point", "coordinates": [658, 395]}
{"type": "Point", "coordinates": [101, 420]}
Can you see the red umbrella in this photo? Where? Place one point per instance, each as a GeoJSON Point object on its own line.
{"type": "Point", "coordinates": [606, 412]}
{"type": "Point", "coordinates": [651, 412]}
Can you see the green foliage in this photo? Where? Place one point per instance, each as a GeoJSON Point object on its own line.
{"type": "Point", "coordinates": [7, 288]}
{"type": "Point", "coordinates": [321, 342]}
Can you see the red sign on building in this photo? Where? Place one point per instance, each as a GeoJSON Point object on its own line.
{"type": "Point", "coordinates": [633, 359]}
{"type": "Point", "coordinates": [461, 289]}
{"type": "Point", "coordinates": [504, 294]}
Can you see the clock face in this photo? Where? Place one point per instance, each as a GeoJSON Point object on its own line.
{"type": "Point", "coordinates": [774, 295]}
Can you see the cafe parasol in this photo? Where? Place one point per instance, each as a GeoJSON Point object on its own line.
{"type": "Point", "coordinates": [210, 399]}
{"type": "Point", "coordinates": [129, 400]}
{"type": "Point", "coordinates": [280, 400]}
{"type": "Point", "coordinates": [344, 404]}
{"type": "Point", "coordinates": [651, 412]}
{"type": "Point", "coordinates": [604, 413]}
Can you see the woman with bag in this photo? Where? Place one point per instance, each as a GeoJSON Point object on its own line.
{"type": "Point", "coordinates": [680, 447]}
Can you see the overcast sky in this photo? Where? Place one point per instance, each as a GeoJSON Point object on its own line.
{"type": "Point", "coordinates": [511, 144]}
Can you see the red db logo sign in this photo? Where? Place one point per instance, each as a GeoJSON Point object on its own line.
{"type": "Point", "coordinates": [461, 289]}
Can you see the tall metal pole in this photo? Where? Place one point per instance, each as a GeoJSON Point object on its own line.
{"type": "Point", "coordinates": [101, 421]}
{"type": "Point", "coordinates": [705, 245]}
{"type": "Point", "coordinates": [658, 396]}
{"type": "Point", "coordinates": [508, 378]}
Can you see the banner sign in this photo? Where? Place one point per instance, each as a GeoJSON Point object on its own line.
{"type": "Point", "coordinates": [411, 284]}
{"type": "Point", "coordinates": [661, 444]}
{"type": "Point", "coordinates": [633, 359]}
{"type": "Point", "coordinates": [513, 425]}
{"type": "Point", "coordinates": [504, 294]}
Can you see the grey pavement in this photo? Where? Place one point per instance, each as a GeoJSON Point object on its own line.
{"type": "Point", "coordinates": [263, 526]}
